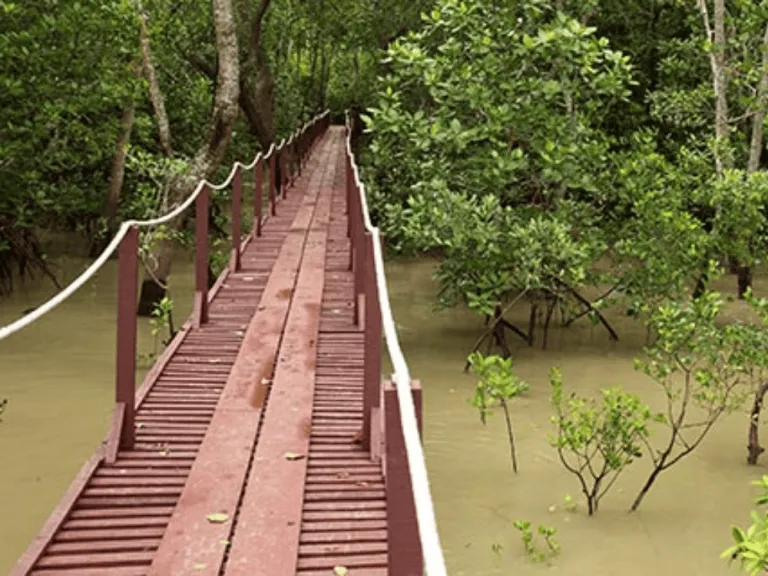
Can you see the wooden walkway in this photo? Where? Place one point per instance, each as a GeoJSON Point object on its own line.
{"type": "Point", "coordinates": [249, 458]}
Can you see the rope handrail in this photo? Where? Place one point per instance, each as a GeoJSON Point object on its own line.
{"type": "Point", "coordinates": [434, 562]}
{"type": "Point", "coordinates": [96, 265]}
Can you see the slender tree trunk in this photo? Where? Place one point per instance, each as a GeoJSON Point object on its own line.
{"type": "Point", "coordinates": [116, 177]}
{"type": "Point", "coordinates": [511, 435]}
{"type": "Point", "coordinates": [753, 448]}
{"type": "Point", "coordinates": [756, 148]}
{"type": "Point", "coordinates": [155, 94]}
{"type": "Point", "coordinates": [210, 155]}
{"type": "Point", "coordinates": [646, 488]}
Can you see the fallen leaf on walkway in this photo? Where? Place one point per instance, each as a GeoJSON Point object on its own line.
{"type": "Point", "coordinates": [217, 518]}
{"type": "Point", "coordinates": [198, 566]}
{"type": "Point", "coordinates": [163, 452]}
{"type": "Point", "coordinates": [340, 571]}
{"type": "Point", "coordinates": [224, 542]}
{"type": "Point", "coordinates": [343, 474]}
{"type": "Point", "coordinates": [363, 484]}
{"type": "Point", "coordinates": [293, 456]}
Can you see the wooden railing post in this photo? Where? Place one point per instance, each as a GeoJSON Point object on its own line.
{"type": "Point", "coordinates": [372, 341]}
{"type": "Point", "coordinates": [272, 199]}
{"type": "Point", "coordinates": [404, 544]}
{"type": "Point", "coordinates": [201, 258]}
{"type": "Point", "coordinates": [258, 184]}
{"type": "Point", "coordinates": [237, 218]}
{"type": "Point", "coordinates": [283, 172]}
{"type": "Point", "coordinates": [125, 383]}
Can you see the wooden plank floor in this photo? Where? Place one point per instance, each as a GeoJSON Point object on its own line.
{"type": "Point", "coordinates": [255, 416]}
{"type": "Point", "coordinates": [344, 521]}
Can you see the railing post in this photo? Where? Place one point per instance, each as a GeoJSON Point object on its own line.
{"type": "Point", "coordinates": [258, 185]}
{"type": "Point", "coordinates": [125, 383]}
{"type": "Point", "coordinates": [283, 174]}
{"type": "Point", "coordinates": [272, 199]}
{"type": "Point", "coordinates": [404, 544]}
{"type": "Point", "coordinates": [237, 218]}
{"type": "Point", "coordinates": [201, 258]}
{"type": "Point", "coordinates": [372, 342]}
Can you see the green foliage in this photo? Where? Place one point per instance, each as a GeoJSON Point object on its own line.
{"type": "Point", "coordinates": [160, 321]}
{"type": "Point", "coordinates": [497, 384]}
{"type": "Point", "coordinates": [750, 546]}
{"type": "Point", "coordinates": [596, 441]}
{"type": "Point", "coordinates": [531, 549]}
{"type": "Point", "coordinates": [487, 138]}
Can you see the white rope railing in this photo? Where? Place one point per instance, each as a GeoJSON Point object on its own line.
{"type": "Point", "coordinates": [78, 282]}
{"type": "Point", "coordinates": [434, 562]}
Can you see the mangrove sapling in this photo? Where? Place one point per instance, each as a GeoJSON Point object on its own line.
{"type": "Point", "coordinates": [3, 406]}
{"type": "Point", "coordinates": [496, 384]}
{"type": "Point", "coordinates": [704, 369]}
{"type": "Point", "coordinates": [595, 440]}
{"type": "Point", "coordinates": [527, 536]}
{"type": "Point", "coordinates": [751, 545]}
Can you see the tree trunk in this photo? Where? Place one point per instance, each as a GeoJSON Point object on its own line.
{"type": "Point", "coordinates": [116, 178]}
{"type": "Point", "coordinates": [209, 157]}
{"type": "Point", "coordinates": [756, 147]}
{"type": "Point", "coordinates": [753, 448]}
{"type": "Point", "coordinates": [155, 94]}
{"type": "Point", "coordinates": [646, 488]}
{"type": "Point", "coordinates": [257, 87]}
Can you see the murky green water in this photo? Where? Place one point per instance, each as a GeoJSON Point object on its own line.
{"type": "Point", "coordinates": [59, 377]}
{"type": "Point", "coordinates": [683, 524]}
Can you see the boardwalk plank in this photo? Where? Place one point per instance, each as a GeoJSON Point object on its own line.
{"type": "Point", "coordinates": [272, 503]}
{"type": "Point", "coordinates": [217, 477]}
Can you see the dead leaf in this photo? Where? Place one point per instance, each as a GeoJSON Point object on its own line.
{"type": "Point", "coordinates": [293, 456]}
{"type": "Point", "coordinates": [217, 518]}
{"type": "Point", "coordinates": [340, 571]}
{"type": "Point", "coordinates": [363, 484]}
{"type": "Point", "coordinates": [224, 542]}
{"type": "Point", "coordinates": [198, 566]}
{"type": "Point", "coordinates": [343, 475]}
{"type": "Point", "coordinates": [163, 452]}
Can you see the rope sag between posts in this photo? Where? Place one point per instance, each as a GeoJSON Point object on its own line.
{"type": "Point", "coordinates": [434, 562]}
{"type": "Point", "coordinates": [96, 265]}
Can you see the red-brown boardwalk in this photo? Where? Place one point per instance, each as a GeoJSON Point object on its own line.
{"type": "Point", "coordinates": [256, 417]}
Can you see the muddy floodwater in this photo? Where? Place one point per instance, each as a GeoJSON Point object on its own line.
{"type": "Point", "coordinates": [58, 376]}
{"type": "Point", "coordinates": [681, 527]}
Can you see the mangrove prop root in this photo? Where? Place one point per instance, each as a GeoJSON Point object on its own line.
{"type": "Point", "coordinates": [550, 310]}
{"type": "Point", "coordinates": [496, 334]}
{"type": "Point", "coordinates": [23, 251]}
{"type": "Point", "coordinates": [753, 447]}
{"type": "Point", "coordinates": [573, 292]}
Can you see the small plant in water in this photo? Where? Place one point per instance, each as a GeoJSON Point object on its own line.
{"type": "Point", "coordinates": [596, 441]}
{"type": "Point", "coordinates": [569, 503]}
{"type": "Point", "coordinates": [751, 545]}
{"type": "Point", "coordinates": [497, 384]}
{"type": "Point", "coordinates": [527, 536]}
{"type": "Point", "coordinates": [3, 406]}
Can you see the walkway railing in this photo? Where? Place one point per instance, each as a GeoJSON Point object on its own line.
{"type": "Point", "coordinates": [391, 415]}
{"type": "Point", "coordinates": [289, 156]}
